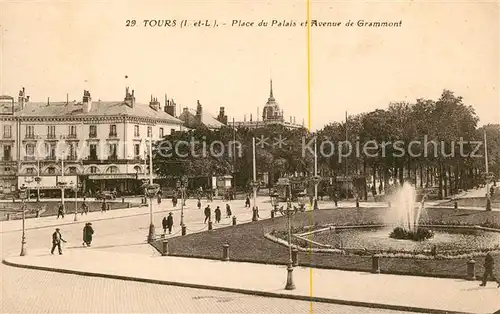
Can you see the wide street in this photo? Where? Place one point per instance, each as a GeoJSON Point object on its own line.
{"type": "Point", "coordinates": [31, 291]}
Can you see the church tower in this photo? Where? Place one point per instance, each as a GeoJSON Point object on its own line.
{"type": "Point", "coordinates": [272, 110]}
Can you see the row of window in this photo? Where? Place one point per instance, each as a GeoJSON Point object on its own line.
{"type": "Point", "coordinates": [51, 131]}
{"type": "Point", "coordinates": [72, 150]}
{"type": "Point", "coordinates": [73, 170]}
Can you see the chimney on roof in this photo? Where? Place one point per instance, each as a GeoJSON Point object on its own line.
{"type": "Point", "coordinates": [222, 117]}
{"type": "Point", "coordinates": [294, 120]}
{"type": "Point", "coordinates": [154, 104]}
{"type": "Point", "coordinates": [169, 106]}
{"type": "Point", "coordinates": [199, 112]}
{"type": "Point", "coordinates": [87, 101]}
{"type": "Point", "coordinates": [250, 117]}
{"type": "Point", "coordinates": [129, 98]}
{"type": "Point", "coordinates": [23, 99]}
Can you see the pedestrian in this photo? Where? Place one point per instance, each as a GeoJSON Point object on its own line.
{"type": "Point", "coordinates": [218, 214]}
{"type": "Point", "coordinates": [208, 214]}
{"type": "Point", "coordinates": [159, 198]}
{"type": "Point", "coordinates": [164, 224]}
{"type": "Point", "coordinates": [88, 231]}
{"type": "Point", "coordinates": [199, 203]}
{"type": "Point", "coordinates": [85, 208]}
{"type": "Point", "coordinates": [60, 211]}
{"type": "Point", "coordinates": [174, 200]}
{"type": "Point", "coordinates": [492, 191]}
{"type": "Point", "coordinates": [228, 211]}
{"type": "Point", "coordinates": [56, 241]}
{"type": "Point", "coordinates": [103, 206]}
{"type": "Point", "coordinates": [170, 223]}
{"type": "Point", "coordinates": [335, 199]}
{"type": "Point", "coordinates": [247, 202]}
{"type": "Point", "coordinates": [489, 266]}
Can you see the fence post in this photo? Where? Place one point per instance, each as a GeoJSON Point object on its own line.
{"type": "Point", "coordinates": [164, 250]}
{"type": "Point", "coordinates": [295, 257]}
{"type": "Point", "coordinates": [272, 214]}
{"type": "Point", "coordinates": [375, 265]}
{"type": "Point", "coordinates": [183, 230]}
{"type": "Point", "coordinates": [234, 220]}
{"type": "Point", "coordinates": [210, 225]}
{"type": "Point", "coordinates": [455, 205]}
{"type": "Point", "coordinates": [225, 252]}
{"type": "Point", "coordinates": [471, 269]}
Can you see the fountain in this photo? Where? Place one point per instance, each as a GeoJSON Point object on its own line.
{"type": "Point", "coordinates": [408, 215]}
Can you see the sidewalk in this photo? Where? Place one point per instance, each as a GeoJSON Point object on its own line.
{"type": "Point", "coordinates": [429, 295]}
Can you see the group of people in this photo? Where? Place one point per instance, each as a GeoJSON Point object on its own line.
{"type": "Point", "coordinates": [217, 212]}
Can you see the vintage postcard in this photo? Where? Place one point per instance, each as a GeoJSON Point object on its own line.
{"type": "Point", "coordinates": [231, 156]}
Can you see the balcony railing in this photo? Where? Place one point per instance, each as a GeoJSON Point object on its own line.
{"type": "Point", "coordinates": [92, 135]}
{"type": "Point", "coordinates": [29, 158]}
{"type": "Point", "coordinates": [113, 157]}
{"type": "Point", "coordinates": [7, 158]}
{"type": "Point", "coordinates": [72, 157]}
{"type": "Point", "coordinates": [50, 158]}
{"type": "Point", "coordinates": [93, 157]}
{"type": "Point", "coordinates": [30, 136]}
{"type": "Point", "coordinates": [9, 135]}
{"type": "Point", "coordinates": [113, 135]}
{"type": "Point", "coordinates": [51, 136]}
{"type": "Point", "coordinates": [69, 136]}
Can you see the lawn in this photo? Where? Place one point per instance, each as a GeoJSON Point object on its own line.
{"type": "Point", "coordinates": [247, 243]}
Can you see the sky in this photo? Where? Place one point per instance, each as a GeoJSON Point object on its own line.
{"type": "Point", "coordinates": [54, 48]}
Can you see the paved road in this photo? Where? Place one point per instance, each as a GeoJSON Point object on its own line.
{"type": "Point", "coordinates": [30, 291]}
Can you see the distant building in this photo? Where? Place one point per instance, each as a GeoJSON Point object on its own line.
{"type": "Point", "coordinates": [272, 114]}
{"type": "Point", "coordinates": [102, 144]}
{"type": "Point", "coordinates": [193, 119]}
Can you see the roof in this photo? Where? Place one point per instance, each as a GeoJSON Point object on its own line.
{"type": "Point", "coordinates": [98, 108]}
{"type": "Point", "coordinates": [207, 119]}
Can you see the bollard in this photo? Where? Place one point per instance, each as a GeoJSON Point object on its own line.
{"type": "Point", "coordinates": [315, 204]}
{"type": "Point", "coordinates": [183, 230]}
{"type": "Point", "coordinates": [375, 265]}
{"type": "Point", "coordinates": [434, 250]}
{"type": "Point", "coordinates": [164, 250]}
{"type": "Point", "coordinates": [455, 205]}
{"type": "Point", "coordinates": [8, 216]}
{"type": "Point", "coordinates": [225, 252]}
{"type": "Point", "coordinates": [37, 213]}
{"type": "Point", "coordinates": [295, 257]}
{"type": "Point", "coordinates": [357, 204]}
{"type": "Point", "coordinates": [123, 199]}
{"type": "Point", "coordinates": [162, 236]}
{"type": "Point", "coordinates": [471, 270]}
{"type": "Point", "coordinates": [209, 225]}
{"type": "Point", "coordinates": [234, 220]}
{"type": "Point", "coordinates": [128, 205]}
{"type": "Point", "coordinates": [272, 214]}
{"type": "Point", "coordinates": [254, 214]}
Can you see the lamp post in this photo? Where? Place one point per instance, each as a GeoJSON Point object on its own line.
{"type": "Point", "coordinates": [77, 186]}
{"type": "Point", "coordinates": [37, 180]}
{"type": "Point", "coordinates": [151, 190]}
{"type": "Point", "coordinates": [62, 184]}
{"type": "Point", "coordinates": [316, 180]}
{"type": "Point", "coordinates": [289, 212]}
{"type": "Point", "coordinates": [183, 185]}
{"type": "Point", "coordinates": [22, 195]}
{"type": "Point", "coordinates": [254, 183]}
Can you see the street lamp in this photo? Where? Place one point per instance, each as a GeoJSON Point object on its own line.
{"type": "Point", "coordinates": [22, 195]}
{"type": "Point", "coordinates": [274, 200]}
{"type": "Point", "coordinates": [77, 186]}
{"type": "Point", "coordinates": [182, 186]}
{"type": "Point", "coordinates": [289, 212]}
{"type": "Point", "coordinates": [37, 180]}
{"type": "Point", "coordinates": [62, 186]}
{"type": "Point", "coordinates": [254, 184]}
{"type": "Point", "coordinates": [151, 189]}
{"type": "Point", "coordinates": [316, 180]}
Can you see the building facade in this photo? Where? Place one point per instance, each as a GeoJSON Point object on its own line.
{"type": "Point", "coordinates": [101, 145]}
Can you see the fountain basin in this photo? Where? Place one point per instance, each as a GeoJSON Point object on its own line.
{"type": "Point", "coordinates": [375, 239]}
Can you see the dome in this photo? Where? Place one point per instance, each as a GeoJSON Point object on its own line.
{"type": "Point", "coordinates": [272, 109]}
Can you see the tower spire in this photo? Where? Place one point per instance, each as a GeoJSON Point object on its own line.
{"type": "Point", "coordinates": [271, 89]}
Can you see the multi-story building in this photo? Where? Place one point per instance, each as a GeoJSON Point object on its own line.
{"type": "Point", "coordinates": [8, 152]}
{"type": "Point", "coordinates": [100, 144]}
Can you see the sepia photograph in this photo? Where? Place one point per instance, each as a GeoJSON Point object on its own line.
{"type": "Point", "coordinates": [267, 156]}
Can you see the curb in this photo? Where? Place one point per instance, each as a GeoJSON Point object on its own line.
{"type": "Point", "coordinates": [239, 290]}
{"type": "Point", "coordinates": [77, 222]}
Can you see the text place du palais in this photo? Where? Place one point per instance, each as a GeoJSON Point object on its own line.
{"type": "Point", "coordinates": [316, 23]}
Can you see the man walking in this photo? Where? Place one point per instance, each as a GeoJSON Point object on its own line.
{"type": "Point", "coordinates": [85, 208]}
{"type": "Point", "coordinates": [164, 224]}
{"type": "Point", "coordinates": [60, 211]}
{"type": "Point", "coordinates": [56, 241]}
{"type": "Point", "coordinates": [489, 264]}
{"type": "Point", "coordinates": [218, 215]}
{"type": "Point", "coordinates": [88, 231]}
{"type": "Point", "coordinates": [170, 222]}
{"type": "Point", "coordinates": [207, 214]}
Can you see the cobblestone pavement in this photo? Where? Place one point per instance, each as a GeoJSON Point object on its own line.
{"type": "Point", "coordinates": [31, 291]}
